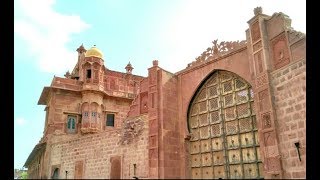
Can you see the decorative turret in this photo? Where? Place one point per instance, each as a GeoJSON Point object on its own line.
{"type": "Point", "coordinates": [92, 66]}
{"type": "Point", "coordinates": [92, 71]}
{"type": "Point", "coordinates": [129, 68]}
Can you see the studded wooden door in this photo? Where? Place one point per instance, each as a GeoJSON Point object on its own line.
{"type": "Point", "coordinates": [224, 136]}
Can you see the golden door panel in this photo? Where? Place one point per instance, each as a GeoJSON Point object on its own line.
{"type": "Point", "coordinates": [234, 156]}
{"type": "Point", "coordinates": [239, 84]}
{"type": "Point", "coordinates": [195, 109]}
{"type": "Point", "coordinates": [230, 113]}
{"type": "Point", "coordinates": [196, 160]}
{"type": "Point", "coordinates": [247, 139]}
{"type": "Point", "coordinates": [214, 104]}
{"type": "Point", "coordinates": [195, 147]}
{"type": "Point", "coordinates": [216, 130]}
{"type": "Point", "coordinates": [213, 91]}
{"type": "Point", "coordinates": [207, 159]}
{"type": "Point", "coordinates": [225, 76]}
{"type": "Point", "coordinates": [242, 96]}
{"type": "Point", "coordinates": [250, 170]}
{"type": "Point", "coordinates": [217, 144]}
{"type": "Point", "coordinates": [245, 124]}
{"type": "Point", "coordinates": [218, 158]}
{"type": "Point", "coordinates": [228, 100]}
{"type": "Point", "coordinates": [215, 117]}
{"type": "Point", "coordinates": [248, 155]}
{"type": "Point", "coordinates": [235, 171]}
{"type": "Point", "coordinates": [196, 173]}
{"type": "Point", "coordinates": [232, 127]}
{"type": "Point", "coordinates": [258, 154]}
{"type": "Point", "coordinates": [202, 95]}
{"type": "Point", "coordinates": [260, 165]}
{"type": "Point", "coordinates": [219, 172]}
{"type": "Point", "coordinates": [194, 122]}
{"type": "Point", "coordinates": [243, 110]}
{"type": "Point", "coordinates": [227, 87]}
{"type": "Point", "coordinates": [254, 122]}
{"type": "Point", "coordinates": [203, 119]}
{"type": "Point", "coordinates": [195, 134]}
{"type": "Point", "coordinates": [233, 141]}
{"type": "Point", "coordinates": [256, 135]}
{"type": "Point", "coordinates": [213, 80]}
{"type": "Point", "coordinates": [207, 172]}
{"type": "Point", "coordinates": [252, 108]}
{"type": "Point", "coordinates": [202, 107]}
{"type": "Point", "coordinates": [205, 132]}
{"type": "Point", "coordinates": [206, 145]}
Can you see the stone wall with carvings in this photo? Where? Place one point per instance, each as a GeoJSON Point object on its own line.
{"type": "Point", "coordinates": [289, 87]}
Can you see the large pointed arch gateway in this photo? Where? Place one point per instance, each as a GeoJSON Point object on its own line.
{"type": "Point", "coordinates": [224, 136]}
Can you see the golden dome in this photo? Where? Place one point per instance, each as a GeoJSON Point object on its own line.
{"type": "Point", "coordinates": [95, 52]}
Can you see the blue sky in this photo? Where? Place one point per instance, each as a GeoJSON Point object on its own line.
{"type": "Point", "coordinates": [48, 32]}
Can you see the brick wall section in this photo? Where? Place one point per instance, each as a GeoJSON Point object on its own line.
{"type": "Point", "coordinates": [289, 86]}
{"type": "Point", "coordinates": [96, 150]}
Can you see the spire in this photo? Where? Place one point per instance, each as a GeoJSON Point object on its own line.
{"type": "Point", "coordinates": [129, 68]}
{"type": "Point", "coordinates": [81, 49]}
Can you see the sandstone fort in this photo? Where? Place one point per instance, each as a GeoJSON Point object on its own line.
{"type": "Point", "coordinates": [236, 111]}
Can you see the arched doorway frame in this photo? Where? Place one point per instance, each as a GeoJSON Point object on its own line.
{"type": "Point", "coordinates": [252, 118]}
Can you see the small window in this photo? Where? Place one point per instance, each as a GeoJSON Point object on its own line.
{"type": "Point", "coordinates": [110, 120]}
{"type": "Point", "coordinates": [94, 114]}
{"type": "Point", "coordinates": [71, 124]}
{"type": "Point", "coordinates": [86, 114]}
{"type": "Point", "coordinates": [88, 73]}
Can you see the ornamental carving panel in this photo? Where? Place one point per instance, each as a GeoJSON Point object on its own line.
{"type": "Point", "coordinates": [273, 164]}
{"type": "Point", "coordinates": [224, 135]}
{"type": "Point", "coordinates": [258, 62]}
{"type": "Point", "coordinates": [152, 77]}
{"type": "Point", "coordinates": [262, 80]}
{"type": "Point", "coordinates": [257, 46]}
{"type": "Point", "coordinates": [280, 51]}
{"type": "Point", "coordinates": [264, 100]}
{"type": "Point", "coordinates": [266, 120]}
{"type": "Point", "coordinates": [255, 31]}
{"type": "Point", "coordinates": [269, 139]}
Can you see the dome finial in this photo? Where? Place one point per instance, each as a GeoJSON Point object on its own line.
{"type": "Point", "coordinates": [95, 52]}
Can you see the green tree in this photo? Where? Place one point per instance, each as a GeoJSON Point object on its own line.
{"type": "Point", "coordinates": [24, 175]}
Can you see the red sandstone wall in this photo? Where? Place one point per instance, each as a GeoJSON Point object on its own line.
{"type": "Point", "coordinates": [120, 107]}
{"type": "Point", "coordinates": [96, 150]}
{"type": "Point", "coordinates": [60, 103]}
{"type": "Point", "coordinates": [289, 87]}
{"type": "Point", "coordinates": [169, 146]}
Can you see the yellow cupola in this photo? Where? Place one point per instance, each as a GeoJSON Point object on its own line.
{"type": "Point", "coordinates": [95, 52]}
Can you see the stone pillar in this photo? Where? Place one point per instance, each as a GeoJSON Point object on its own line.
{"type": "Point", "coordinates": [153, 116]}
{"type": "Point", "coordinates": [258, 46]}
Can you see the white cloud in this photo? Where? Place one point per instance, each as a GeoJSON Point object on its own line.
{"type": "Point", "coordinates": [20, 121]}
{"type": "Point", "coordinates": [198, 22]}
{"type": "Point", "coordinates": [46, 33]}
